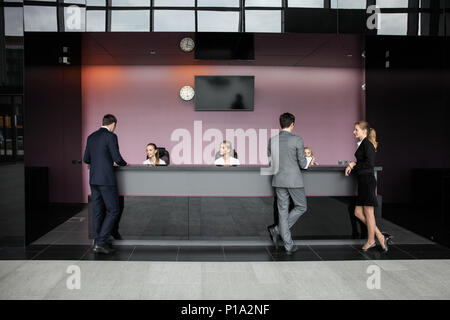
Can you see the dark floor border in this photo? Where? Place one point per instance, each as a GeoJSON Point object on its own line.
{"type": "Point", "coordinates": [226, 253]}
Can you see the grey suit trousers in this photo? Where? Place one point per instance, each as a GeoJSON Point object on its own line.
{"type": "Point", "coordinates": [287, 219]}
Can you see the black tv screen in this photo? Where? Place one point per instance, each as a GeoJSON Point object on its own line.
{"type": "Point", "coordinates": [224, 46]}
{"type": "Point", "coordinates": [223, 93]}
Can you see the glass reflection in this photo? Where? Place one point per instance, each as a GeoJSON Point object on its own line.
{"type": "Point", "coordinates": [130, 20]}
{"type": "Point", "coordinates": [13, 21]}
{"type": "Point", "coordinates": [263, 21]}
{"type": "Point", "coordinates": [174, 20]}
{"type": "Point", "coordinates": [218, 21]}
{"type": "Point", "coordinates": [40, 18]}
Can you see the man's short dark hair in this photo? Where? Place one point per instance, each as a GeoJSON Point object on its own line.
{"type": "Point", "coordinates": [286, 119]}
{"type": "Point", "coordinates": [108, 119]}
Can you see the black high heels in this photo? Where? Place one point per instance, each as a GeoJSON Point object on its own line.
{"type": "Point", "coordinates": [370, 247]}
{"type": "Point", "coordinates": [387, 240]}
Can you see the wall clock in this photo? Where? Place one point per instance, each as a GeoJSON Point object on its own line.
{"type": "Point", "coordinates": [187, 93]}
{"type": "Point", "coordinates": [187, 44]}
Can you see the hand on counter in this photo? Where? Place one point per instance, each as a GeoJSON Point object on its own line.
{"type": "Point", "coordinates": [349, 168]}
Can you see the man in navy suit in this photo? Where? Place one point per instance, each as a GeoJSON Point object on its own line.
{"type": "Point", "coordinates": [102, 153]}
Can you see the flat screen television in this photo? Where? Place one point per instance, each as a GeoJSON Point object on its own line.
{"type": "Point", "coordinates": [224, 93]}
{"type": "Point", "coordinates": [224, 46]}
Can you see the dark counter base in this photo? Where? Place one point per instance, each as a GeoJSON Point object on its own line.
{"type": "Point", "coordinates": [194, 218]}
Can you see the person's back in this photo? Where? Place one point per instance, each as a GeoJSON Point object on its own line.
{"type": "Point", "coordinates": [102, 151]}
{"type": "Point", "coordinates": [290, 158]}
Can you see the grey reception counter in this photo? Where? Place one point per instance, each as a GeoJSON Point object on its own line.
{"type": "Point", "coordinates": [209, 202]}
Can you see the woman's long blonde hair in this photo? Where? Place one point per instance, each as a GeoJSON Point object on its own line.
{"type": "Point", "coordinates": [371, 133]}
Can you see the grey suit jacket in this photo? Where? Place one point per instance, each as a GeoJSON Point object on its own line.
{"type": "Point", "coordinates": [291, 158]}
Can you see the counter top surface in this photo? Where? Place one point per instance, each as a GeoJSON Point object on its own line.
{"type": "Point", "coordinates": [221, 168]}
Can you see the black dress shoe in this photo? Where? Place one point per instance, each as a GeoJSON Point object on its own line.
{"type": "Point", "coordinates": [103, 250]}
{"type": "Point", "coordinates": [116, 236]}
{"type": "Point", "coordinates": [273, 236]}
{"type": "Point", "coordinates": [293, 249]}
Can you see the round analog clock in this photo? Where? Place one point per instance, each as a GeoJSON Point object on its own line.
{"type": "Point", "coordinates": [187, 93]}
{"type": "Point", "coordinates": [187, 44]}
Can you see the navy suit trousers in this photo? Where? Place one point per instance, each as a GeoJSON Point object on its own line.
{"type": "Point", "coordinates": [106, 210]}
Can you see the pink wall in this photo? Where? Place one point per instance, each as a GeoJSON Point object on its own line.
{"type": "Point", "coordinates": [145, 99]}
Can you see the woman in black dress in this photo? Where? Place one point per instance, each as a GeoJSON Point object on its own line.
{"type": "Point", "coordinates": [364, 170]}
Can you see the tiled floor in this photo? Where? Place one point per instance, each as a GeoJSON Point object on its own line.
{"type": "Point", "coordinates": [225, 253]}
{"type": "Point", "coordinates": [75, 232]}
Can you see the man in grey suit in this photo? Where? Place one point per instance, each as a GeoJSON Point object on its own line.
{"type": "Point", "coordinates": [287, 155]}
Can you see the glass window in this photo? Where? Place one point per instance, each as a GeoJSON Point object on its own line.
{"type": "Point", "coordinates": [131, 3]}
{"type": "Point", "coordinates": [263, 3]}
{"type": "Point", "coordinates": [392, 3]}
{"type": "Point", "coordinates": [95, 20]}
{"type": "Point", "coordinates": [263, 21]}
{"type": "Point", "coordinates": [174, 20]}
{"type": "Point", "coordinates": [306, 3]}
{"type": "Point", "coordinates": [218, 3]}
{"type": "Point", "coordinates": [44, 0]}
{"type": "Point", "coordinates": [349, 4]}
{"type": "Point", "coordinates": [393, 24]}
{"type": "Point", "coordinates": [74, 19]}
{"type": "Point", "coordinates": [98, 3]}
{"type": "Point", "coordinates": [40, 18]}
{"type": "Point", "coordinates": [218, 21]}
{"type": "Point", "coordinates": [174, 3]}
{"type": "Point", "coordinates": [13, 1]}
{"type": "Point", "coordinates": [75, 1]}
{"type": "Point", "coordinates": [13, 21]}
{"type": "Point", "coordinates": [130, 20]}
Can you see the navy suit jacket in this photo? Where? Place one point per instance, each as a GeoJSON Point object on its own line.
{"type": "Point", "coordinates": [102, 150]}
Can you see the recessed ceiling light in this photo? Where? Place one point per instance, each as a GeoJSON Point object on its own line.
{"type": "Point", "coordinates": [152, 52]}
{"type": "Point", "coordinates": [349, 55]}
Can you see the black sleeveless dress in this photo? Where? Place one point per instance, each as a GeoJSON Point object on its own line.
{"type": "Point", "coordinates": [364, 170]}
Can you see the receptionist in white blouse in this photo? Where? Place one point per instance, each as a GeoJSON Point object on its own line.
{"type": "Point", "coordinates": [153, 156]}
{"type": "Point", "coordinates": [226, 159]}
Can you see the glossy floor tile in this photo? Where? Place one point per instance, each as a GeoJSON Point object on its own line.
{"type": "Point", "coordinates": [155, 253]}
{"type": "Point", "coordinates": [304, 253]}
{"type": "Point", "coordinates": [225, 253]}
{"type": "Point", "coordinates": [239, 253]}
{"type": "Point", "coordinates": [337, 253]}
{"type": "Point", "coordinates": [122, 253]}
{"type": "Point", "coordinates": [201, 254]}
{"type": "Point", "coordinates": [69, 252]}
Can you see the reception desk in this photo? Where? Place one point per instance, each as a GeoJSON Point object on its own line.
{"type": "Point", "coordinates": [208, 202]}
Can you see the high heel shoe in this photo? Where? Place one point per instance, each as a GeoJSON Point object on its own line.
{"type": "Point", "coordinates": [387, 237]}
{"type": "Point", "coordinates": [370, 247]}
{"type": "Point", "coordinates": [386, 244]}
